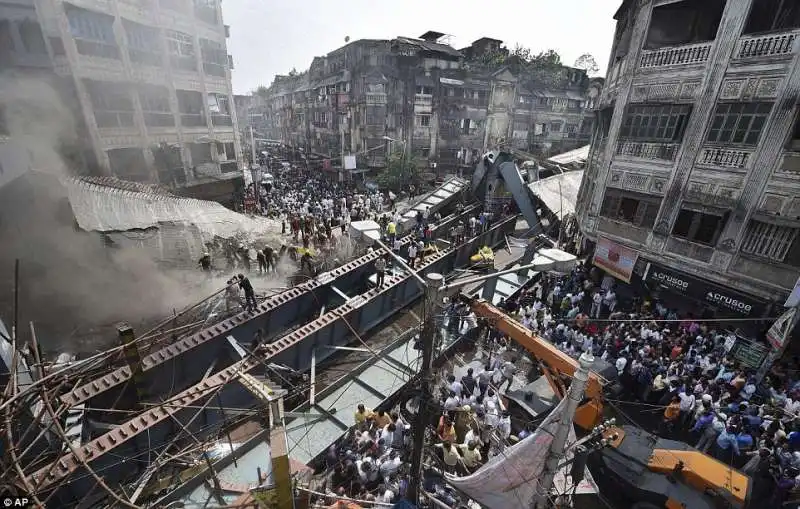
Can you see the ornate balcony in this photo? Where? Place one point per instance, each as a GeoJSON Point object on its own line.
{"type": "Point", "coordinates": [656, 151]}
{"type": "Point", "coordinates": [676, 55]}
{"type": "Point", "coordinates": [724, 158]}
{"type": "Point", "coordinates": [375, 98]}
{"type": "Point", "coordinates": [768, 45]}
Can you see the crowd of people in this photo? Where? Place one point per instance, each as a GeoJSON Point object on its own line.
{"type": "Point", "coordinates": [677, 367]}
{"type": "Point", "coordinates": [681, 368]}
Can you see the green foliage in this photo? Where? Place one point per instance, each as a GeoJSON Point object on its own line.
{"type": "Point", "coordinates": [262, 92]}
{"type": "Point", "coordinates": [541, 70]}
{"type": "Point", "coordinates": [587, 63]}
{"type": "Point", "coordinates": [398, 172]}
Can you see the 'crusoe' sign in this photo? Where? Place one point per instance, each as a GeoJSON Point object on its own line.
{"type": "Point", "coordinates": [703, 291]}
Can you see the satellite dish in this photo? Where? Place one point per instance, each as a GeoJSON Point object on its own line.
{"type": "Point", "coordinates": [346, 38]}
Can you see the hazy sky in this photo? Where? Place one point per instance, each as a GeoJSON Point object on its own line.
{"type": "Point", "coordinates": [271, 37]}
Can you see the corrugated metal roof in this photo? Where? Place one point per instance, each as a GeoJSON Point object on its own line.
{"type": "Point", "coordinates": [431, 46]}
{"type": "Point", "coordinates": [104, 208]}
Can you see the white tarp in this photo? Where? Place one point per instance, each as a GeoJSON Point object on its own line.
{"type": "Point", "coordinates": [579, 156]}
{"type": "Point", "coordinates": [559, 192]}
{"type": "Point", "coordinates": [509, 480]}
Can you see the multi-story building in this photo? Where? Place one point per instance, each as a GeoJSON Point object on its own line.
{"type": "Point", "coordinates": [428, 98]}
{"type": "Point", "coordinates": [32, 109]}
{"type": "Point", "coordinates": [694, 162]}
{"type": "Point", "coordinates": [152, 82]}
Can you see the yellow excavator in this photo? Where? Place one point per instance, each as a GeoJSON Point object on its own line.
{"type": "Point", "coordinates": [643, 471]}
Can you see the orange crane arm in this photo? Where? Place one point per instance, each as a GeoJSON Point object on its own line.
{"type": "Point", "coordinates": [555, 362]}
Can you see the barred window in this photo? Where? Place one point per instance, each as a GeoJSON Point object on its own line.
{"type": "Point", "coordinates": [778, 243]}
{"type": "Point", "coordinates": [663, 123]}
{"type": "Point", "coordinates": [738, 122]}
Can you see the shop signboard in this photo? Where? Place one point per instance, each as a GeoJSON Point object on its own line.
{"type": "Point", "coordinates": [616, 260]}
{"type": "Point", "coordinates": [749, 353]}
{"type": "Point", "coordinates": [704, 291]}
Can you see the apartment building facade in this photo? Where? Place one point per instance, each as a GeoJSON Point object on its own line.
{"type": "Point", "coordinates": [693, 171]}
{"type": "Point", "coordinates": [424, 97]}
{"type": "Point", "coordinates": [152, 85]}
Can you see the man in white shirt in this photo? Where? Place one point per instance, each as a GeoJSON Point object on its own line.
{"type": "Point", "coordinates": [412, 254]}
{"type": "Point", "coordinates": [597, 299]}
{"type": "Point", "coordinates": [455, 386]}
{"type": "Point", "coordinates": [620, 365]}
{"type": "Point", "coordinates": [390, 465]}
{"type": "Point", "coordinates": [452, 402]}
{"type": "Point", "coordinates": [485, 379]}
{"type": "Point", "coordinates": [504, 425]}
{"type": "Point", "coordinates": [508, 369]}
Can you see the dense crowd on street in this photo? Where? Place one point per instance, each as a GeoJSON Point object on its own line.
{"type": "Point", "coordinates": [674, 366]}
{"type": "Point", "coordinates": [680, 367]}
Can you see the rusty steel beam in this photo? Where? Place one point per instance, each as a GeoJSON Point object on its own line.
{"type": "Point", "coordinates": [83, 393]}
{"type": "Point", "coordinates": [68, 463]}
{"type": "Point", "coordinates": [120, 375]}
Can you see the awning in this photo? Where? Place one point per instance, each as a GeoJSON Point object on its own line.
{"type": "Point", "coordinates": [559, 193]}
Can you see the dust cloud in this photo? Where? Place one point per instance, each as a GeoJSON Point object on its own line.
{"type": "Point", "coordinates": [72, 286]}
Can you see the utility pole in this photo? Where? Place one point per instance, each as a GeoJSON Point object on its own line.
{"type": "Point", "coordinates": [252, 146]}
{"type": "Point", "coordinates": [556, 454]}
{"type": "Point", "coordinates": [425, 410]}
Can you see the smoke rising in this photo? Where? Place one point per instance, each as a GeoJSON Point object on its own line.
{"type": "Point", "coordinates": [73, 287]}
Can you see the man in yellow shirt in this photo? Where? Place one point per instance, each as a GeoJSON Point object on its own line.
{"type": "Point", "coordinates": [471, 455]}
{"type": "Point", "coordinates": [362, 414]}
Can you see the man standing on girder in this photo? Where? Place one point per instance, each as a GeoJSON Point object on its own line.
{"type": "Point", "coordinates": [249, 293]}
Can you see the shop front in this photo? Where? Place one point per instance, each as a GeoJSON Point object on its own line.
{"type": "Point", "coordinates": [703, 297]}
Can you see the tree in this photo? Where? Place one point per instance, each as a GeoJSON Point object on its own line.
{"type": "Point", "coordinates": [587, 63]}
{"type": "Point", "coordinates": [293, 72]}
{"type": "Point", "coordinates": [398, 172]}
{"type": "Point", "coordinates": [261, 91]}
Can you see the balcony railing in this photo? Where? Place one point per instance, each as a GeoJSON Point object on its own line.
{"type": "Point", "coordinates": [724, 158]}
{"type": "Point", "coordinates": [677, 55]}
{"type": "Point", "coordinates": [423, 99]}
{"type": "Point", "coordinates": [766, 45]}
{"type": "Point", "coordinates": [376, 98]}
{"type": "Point", "coordinates": [659, 151]}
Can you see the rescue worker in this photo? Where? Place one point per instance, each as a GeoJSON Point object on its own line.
{"type": "Point", "coordinates": [205, 262]}
{"type": "Point", "coordinates": [269, 256]}
{"type": "Point", "coordinates": [391, 231]}
{"type": "Point", "coordinates": [249, 293]}
{"type": "Point", "coordinates": [262, 262]}
{"type": "Point", "coordinates": [305, 261]}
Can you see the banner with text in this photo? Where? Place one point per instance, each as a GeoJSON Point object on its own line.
{"type": "Point", "coordinates": [616, 260]}
{"type": "Point", "coordinates": [705, 291]}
